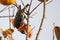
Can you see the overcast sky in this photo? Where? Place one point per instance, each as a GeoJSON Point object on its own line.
{"type": "Point", "coordinates": [52, 16]}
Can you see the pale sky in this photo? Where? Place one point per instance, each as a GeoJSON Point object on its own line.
{"type": "Point", "coordinates": [52, 16]}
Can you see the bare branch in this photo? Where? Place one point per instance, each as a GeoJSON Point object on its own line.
{"type": "Point", "coordinates": [32, 15]}
{"type": "Point", "coordinates": [32, 29]}
{"type": "Point", "coordinates": [35, 8]}
{"type": "Point", "coordinates": [22, 2]}
{"type": "Point", "coordinates": [9, 18]}
{"type": "Point", "coordinates": [42, 21]}
{"type": "Point", "coordinates": [28, 19]}
{"type": "Point", "coordinates": [6, 16]}
{"type": "Point", "coordinates": [3, 9]}
{"type": "Point", "coordinates": [9, 9]}
{"type": "Point", "coordinates": [16, 5]}
{"type": "Point", "coordinates": [49, 2]}
{"type": "Point", "coordinates": [27, 26]}
{"type": "Point", "coordinates": [30, 5]}
{"type": "Point", "coordinates": [13, 11]}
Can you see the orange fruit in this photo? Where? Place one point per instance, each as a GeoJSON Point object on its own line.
{"type": "Point", "coordinates": [42, 0]}
{"type": "Point", "coordinates": [7, 2]}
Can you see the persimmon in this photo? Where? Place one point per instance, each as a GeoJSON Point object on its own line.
{"type": "Point", "coordinates": [7, 2]}
{"type": "Point", "coordinates": [42, 0]}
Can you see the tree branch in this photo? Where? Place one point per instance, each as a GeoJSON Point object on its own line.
{"type": "Point", "coordinates": [42, 21]}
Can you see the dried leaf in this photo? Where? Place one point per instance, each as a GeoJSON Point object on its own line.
{"type": "Point", "coordinates": [57, 32]}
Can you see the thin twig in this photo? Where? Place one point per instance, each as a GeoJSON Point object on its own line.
{"type": "Point", "coordinates": [53, 30]}
{"type": "Point", "coordinates": [9, 15]}
{"type": "Point", "coordinates": [49, 2]}
{"type": "Point", "coordinates": [9, 18]}
{"type": "Point", "coordinates": [39, 4]}
{"type": "Point", "coordinates": [6, 16]}
{"type": "Point", "coordinates": [28, 19]}
{"type": "Point", "coordinates": [31, 29]}
{"type": "Point", "coordinates": [30, 5]}
{"type": "Point", "coordinates": [23, 5]}
{"type": "Point", "coordinates": [53, 34]}
{"type": "Point", "coordinates": [32, 15]}
{"type": "Point", "coordinates": [35, 8]}
{"type": "Point", "coordinates": [27, 25]}
{"type": "Point", "coordinates": [22, 2]}
{"type": "Point", "coordinates": [3, 9]}
{"type": "Point", "coordinates": [16, 5]}
{"type": "Point", "coordinates": [13, 11]}
{"type": "Point", "coordinates": [42, 21]}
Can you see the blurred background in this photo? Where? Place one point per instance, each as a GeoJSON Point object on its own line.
{"type": "Point", "coordinates": [52, 16]}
